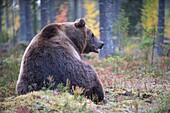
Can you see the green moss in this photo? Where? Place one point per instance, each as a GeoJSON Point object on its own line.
{"type": "Point", "coordinates": [46, 101]}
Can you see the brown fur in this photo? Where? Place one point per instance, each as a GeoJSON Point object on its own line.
{"type": "Point", "coordinates": [55, 52]}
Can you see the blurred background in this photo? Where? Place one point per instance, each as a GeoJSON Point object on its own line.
{"type": "Point", "coordinates": [121, 24]}
{"type": "Point", "coordinates": [134, 63]}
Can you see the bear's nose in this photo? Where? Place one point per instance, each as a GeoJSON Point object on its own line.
{"type": "Point", "coordinates": [101, 44]}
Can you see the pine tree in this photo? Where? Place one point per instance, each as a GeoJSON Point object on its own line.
{"type": "Point", "coordinates": [150, 14]}
{"type": "Point", "coordinates": [44, 16]}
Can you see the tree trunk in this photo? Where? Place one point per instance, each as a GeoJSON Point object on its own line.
{"type": "Point", "coordinates": [52, 10]}
{"type": "Point", "coordinates": [82, 8]}
{"type": "Point", "coordinates": [106, 23]}
{"type": "Point", "coordinates": [44, 19]}
{"type": "Point", "coordinates": [70, 15]}
{"type": "Point", "coordinates": [13, 20]}
{"type": "Point", "coordinates": [14, 40]}
{"type": "Point", "coordinates": [79, 8]}
{"type": "Point", "coordinates": [161, 15]}
{"type": "Point", "coordinates": [22, 21]}
{"type": "Point", "coordinates": [35, 16]}
{"type": "Point", "coordinates": [116, 17]}
{"type": "Point", "coordinates": [75, 10]}
{"type": "Point", "coordinates": [1, 15]}
{"type": "Point", "coordinates": [28, 24]}
{"type": "Point", "coordinates": [7, 13]}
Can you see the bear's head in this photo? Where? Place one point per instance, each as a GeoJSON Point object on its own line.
{"type": "Point", "coordinates": [78, 32]}
{"type": "Point", "coordinates": [92, 43]}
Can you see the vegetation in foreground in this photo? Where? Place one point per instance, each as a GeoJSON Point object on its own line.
{"type": "Point", "coordinates": [131, 84]}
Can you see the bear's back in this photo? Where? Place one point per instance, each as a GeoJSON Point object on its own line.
{"type": "Point", "coordinates": [42, 60]}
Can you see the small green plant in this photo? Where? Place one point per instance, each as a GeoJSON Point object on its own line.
{"type": "Point", "coordinates": [77, 91]}
{"type": "Point", "coordinates": [63, 88]}
{"type": "Point", "coordinates": [50, 82]}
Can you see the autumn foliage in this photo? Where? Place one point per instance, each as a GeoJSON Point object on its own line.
{"type": "Point", "coordinates": [150, 14]}
{"type": "Point", "coordinates": [92, 16]}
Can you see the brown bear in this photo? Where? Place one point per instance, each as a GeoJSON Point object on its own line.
{"type": "Point", "coordinates": [56, 52]}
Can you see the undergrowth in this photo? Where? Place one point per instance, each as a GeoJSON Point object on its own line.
{"type": "Point", "coordinates": [131, 84]}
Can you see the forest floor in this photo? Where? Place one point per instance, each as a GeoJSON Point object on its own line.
{"type": "Point", "coordinates": [131, 85]}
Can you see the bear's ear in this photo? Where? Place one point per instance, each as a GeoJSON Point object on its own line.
{"type": "Point", "coordinates": [49, 31]}
{"type": "Point", "coordinates": [80, 22]}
